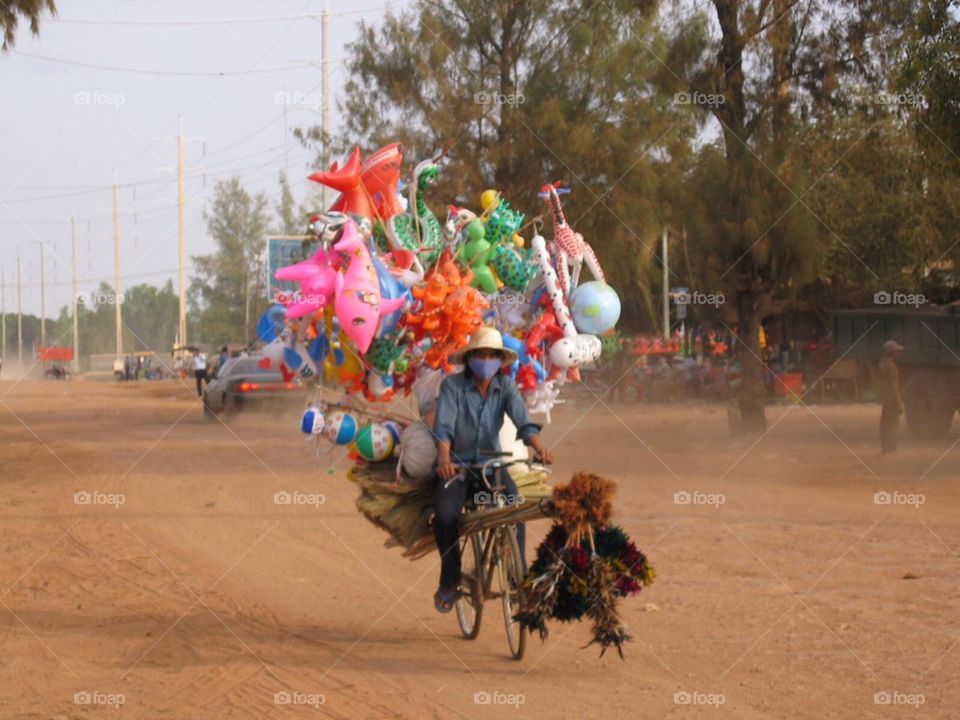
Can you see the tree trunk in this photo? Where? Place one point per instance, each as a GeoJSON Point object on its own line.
{"type": "Point", "coordinates": [246, 311]}
{"type": "Point", "coordinates": [752, 399]}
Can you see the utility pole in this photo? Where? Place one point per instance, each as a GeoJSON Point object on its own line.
{"type": "Point", "coordinates": [3, 292]}
{"type": "Point", "coordinates": [43, 303]}
{"type": "Point", "coordinates": [73, 258]}
{"type": "Point", "coordinates": [666, 286]}
{"type": "Point", "coordinates": [117, 290]}
{"type": "Point", "coordinates": [19, 320]}
{"type": "Point", "coordinates": [182, 237]}
{"type": "Point", "coordinates": [325, 114]}
{"type": "Point", "coordinates": [324, 92]}
{"type": "Point", "coordinates": [181, 140]}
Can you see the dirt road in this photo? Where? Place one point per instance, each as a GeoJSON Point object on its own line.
{"type": "Point", "coordinates": [787, 587]}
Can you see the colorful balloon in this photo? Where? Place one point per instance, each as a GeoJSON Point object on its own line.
{"type": "Point", "coordinates": [358, 305]}
{"type": "Point", "coordinates": [317, 280]}
{"type": "Point", "coordinates": [595, 307]}
{"type": "Point", "coordinates": [568, 247]}
{"type": "Point", "coordinates": [354, 197]}
{"type": "Point", "coordinates": [380, 175]}
{"type": "Point", "coordinates": [312, 421]}
{"type": "Point", "coordinates": [341, 427]}
{"type": "Point", "coordinates": [374, 442]}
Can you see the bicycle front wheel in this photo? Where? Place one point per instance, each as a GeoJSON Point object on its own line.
{"type": "Point", "coordinates": [469, 605]}
{"type": "Point", "coordinates": [511, 572]}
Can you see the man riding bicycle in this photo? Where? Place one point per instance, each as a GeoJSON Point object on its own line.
{"type": "Point", "coordinates": [469, 416]}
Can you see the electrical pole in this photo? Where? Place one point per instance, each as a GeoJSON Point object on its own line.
{"type": "Point", "coordinates": [181, 140]}
{"type": "Point", "coordinates": [43, 303]}
{"type": "Point", "coordinates": [73, 257]}
{"type": "Point", "coordinates": [19, 320]}
{"type": "Point", "coordinates": [117, 290]}
{"type": "Point", "coordinates": [182, 242]}
{"type": "Point", "coordinates": [325, 119]}
{"type": "Point", "coordinates": [666, 287]}
{"type": "Point", "coordinates": [3, 291]}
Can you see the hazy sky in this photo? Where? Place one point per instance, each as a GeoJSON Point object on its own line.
{"type": "Point", "coordinates": [66, 126]}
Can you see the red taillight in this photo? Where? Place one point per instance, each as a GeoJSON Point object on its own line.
{"type": "Point", "coordinates": [247, 387]}
{"type": "Point", "coordinates": [290, 386]}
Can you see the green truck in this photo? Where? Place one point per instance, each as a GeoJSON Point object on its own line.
{"type": "Point", "coordinates": [929, 364]}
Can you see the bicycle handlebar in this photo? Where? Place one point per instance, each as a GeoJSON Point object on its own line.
{"type": "Point", "coordinates": [494, 463]}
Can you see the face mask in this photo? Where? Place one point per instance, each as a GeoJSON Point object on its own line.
{"type": "Point", "coordinates": [484, 368]}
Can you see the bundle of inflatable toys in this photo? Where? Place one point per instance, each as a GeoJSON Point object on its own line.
{"type": "Point", "coordinates": [388, 293]}
{"type": "Point", "coordinates": [390, 290]}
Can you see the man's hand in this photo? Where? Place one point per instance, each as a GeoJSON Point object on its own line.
{"type": "Point", "coordinates": [447, 469]}
{"type": "Point", "coordinates": [445, 466]}
{"type": "Point", "coordinates": [540, 453]}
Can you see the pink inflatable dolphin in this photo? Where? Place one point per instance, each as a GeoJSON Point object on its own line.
{"type": "Point", "coordinates": [317, 280]}
{"type": "Point", "coordinates": [358, 303]}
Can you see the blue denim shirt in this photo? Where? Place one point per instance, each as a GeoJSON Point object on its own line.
{"type": "Point", "coordinates": [471, 423]}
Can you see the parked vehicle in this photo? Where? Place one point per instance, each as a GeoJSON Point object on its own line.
{"type": "Point", "coordinates": [244, 383]}
{"type": "Point", "coordinates": [929, 365]}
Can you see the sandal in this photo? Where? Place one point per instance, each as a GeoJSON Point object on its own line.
{"type": "Point", "coordinates": [443, 600]}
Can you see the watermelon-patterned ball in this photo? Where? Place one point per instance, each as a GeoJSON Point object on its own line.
{"type": "Point", "coordinates": [341, 427]}
{"type": "Point", "coordinates": [374, 442]}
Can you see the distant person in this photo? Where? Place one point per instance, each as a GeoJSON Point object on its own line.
{"type": "Point", "coordinates": [200, 371]}
{"type": "Point", "coordinates": [224, 355]}
{"type": "Point", "coordinates": [127, 367]}
{"type": "Point", "coordinates": [888, 390]}
{"type": "Point", "coordinates": [620, 366]}
{"type": "Point", "coordinates": [139, 370]}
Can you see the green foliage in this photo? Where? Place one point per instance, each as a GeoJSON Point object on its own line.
{"type": "Point", "coordinates": [521, 94]}
{"type": "Point", "coordinates": [227, 291]}
{"type": "Point", "coordinates": [12, 11]}
{"type": "Point", "coordinates": [931, 78]}
{"type": "Point", "coordinates": [149, 322]}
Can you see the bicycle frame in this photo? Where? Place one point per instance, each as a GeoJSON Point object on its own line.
{"type": "Point", "coordinates": [496, 552]}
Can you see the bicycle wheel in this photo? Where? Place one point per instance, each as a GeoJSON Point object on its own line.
{"type": "Point", "coordinates": [470, 603]}
{"type": "Point", "coordinates": [510, 572]}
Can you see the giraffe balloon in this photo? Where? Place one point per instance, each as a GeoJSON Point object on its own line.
{"type": "Point", "coordinates": [569, 249]}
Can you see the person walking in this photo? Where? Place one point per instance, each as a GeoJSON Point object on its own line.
{"type": "Point", "coordinates": [200, 371]}
{"type": "Point", "coordinates": [222, 360]}
{"type": "Point", "coordinates": [888, 390]}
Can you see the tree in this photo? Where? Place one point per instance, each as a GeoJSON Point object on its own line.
{"type": "Point", "coordinates": [518, 94]}
{"type": "Point", "coordinates": [931, 78]}
{"type": "Point", "coordinates": [290, 219]}
{"type": "Point", "coordinates": [12, 10]}
{"type": "Point", "coordinates": [772, 74]}
{"type": "Point", "coordinates": [226, 293]}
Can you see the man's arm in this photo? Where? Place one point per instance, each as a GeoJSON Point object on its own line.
{"type": "Point", "coordinates": [444, 425]}
{"type": "Point", "coordinates": [895, 378]}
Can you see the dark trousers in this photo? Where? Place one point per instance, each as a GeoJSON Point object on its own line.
{"type": "Point", "coordinates": [201, 376]}
{"type": "Point", "coordinates": [889, 425]}
{"type": "Point", "coordinates": [448, 502]}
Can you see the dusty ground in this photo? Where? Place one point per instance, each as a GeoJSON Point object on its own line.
{"type": "Point", "coordinates": [797, 597]}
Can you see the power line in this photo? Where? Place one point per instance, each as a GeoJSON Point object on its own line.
{"type": "Point", "coordinates": [201, 23]}
{"type": "Point", "coordinates": [143, 71]}
{"type": "Point", "coordinates": [152, 181]}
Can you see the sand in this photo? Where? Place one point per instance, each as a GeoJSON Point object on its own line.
{"type": "Point", "coordinates": [182, 590]}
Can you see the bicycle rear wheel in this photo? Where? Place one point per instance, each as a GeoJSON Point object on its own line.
{"type": "Point", "coordinates": [469, 605]}
{"type": "Point", "coordinates": [510, 571]}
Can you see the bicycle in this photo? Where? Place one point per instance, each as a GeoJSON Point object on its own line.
{"type": "Point", "coordinates": [486, 553]}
